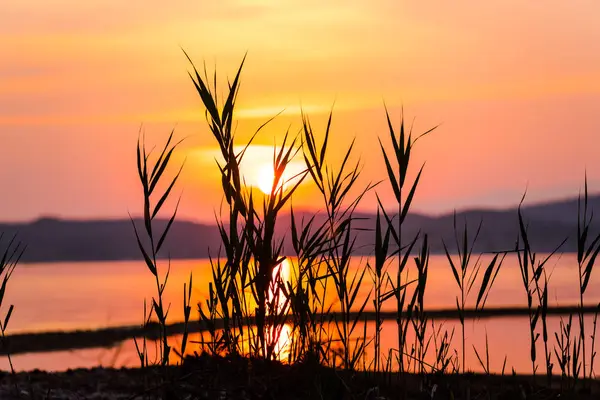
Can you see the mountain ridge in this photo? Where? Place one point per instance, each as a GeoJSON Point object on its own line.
{"type": "Point", "coordinates": [54, 239]}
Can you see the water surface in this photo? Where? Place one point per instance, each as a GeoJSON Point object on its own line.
{"type": "Point", "coordinates": [88, 295]}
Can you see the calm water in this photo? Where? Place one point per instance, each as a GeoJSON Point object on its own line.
{"type": "Point", "coordinates": [66, 296]}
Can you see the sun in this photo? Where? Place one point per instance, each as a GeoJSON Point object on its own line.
{"type": "Point", "coordinates": [265, 175]}
{"type": "Point", "coordinates": [256, 168]}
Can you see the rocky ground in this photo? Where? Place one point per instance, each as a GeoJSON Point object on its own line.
{"type": "Point", "coordinates": [218, 378]}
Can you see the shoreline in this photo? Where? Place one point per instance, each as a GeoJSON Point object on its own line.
{"type": "Point", "coordinates": [41, 342]}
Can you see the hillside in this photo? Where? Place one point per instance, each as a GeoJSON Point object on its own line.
{"type": "Point", "coordinates": [51, 239]}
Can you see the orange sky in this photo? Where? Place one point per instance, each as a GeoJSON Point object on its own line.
{"type": "Point", "coordinates": [515, 85]}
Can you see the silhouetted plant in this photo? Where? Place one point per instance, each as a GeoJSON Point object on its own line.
{"type": "Point", "coordinates": [587, 252]}
{"type": "Point", "coordinates": [593, 355]}
{"type": "Point", "coordinates": [252, 252]}
{"type": "Point", "coordinates": [8, 262]}
{"type": "Point", "coordinates": [308, 295]}
{"type": "Point", "coordinates": [466, 274]}
{"type": "Point", "coordinates": [532, 273]}
{"type": "Point", "coordinates": [562, 351]}
{"type": "Point", "coordinates": [150, 176]}
{"type": "Point", "coordinates": [250, 301]}
{"type": "Point", "coordinates": [335, 186]}
{"type": "Point", "coordinates": [402, 145]}
{"type": "Point", "coordinates": [444, 358]}
{"type": "Point", "coordinates": [419, 319]}
{"type": "Point", "coordinates": [380, 278]}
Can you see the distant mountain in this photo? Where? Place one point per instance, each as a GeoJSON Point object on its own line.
{"type": "Point", "coordinates": [50, 239]}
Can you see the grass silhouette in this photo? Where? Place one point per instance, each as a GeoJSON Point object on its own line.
{"type": "Point", "coordinates": [250, 301]}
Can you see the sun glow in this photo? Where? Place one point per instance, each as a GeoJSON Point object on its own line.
{"type": "Point", "coordinates": [283, 333]}
{"type": "Point", "coordinates": [284, 271]}
{"type": "Point", "coordinates": [256, 167]}
{"type": "Point", "coordinates": [265, 177]}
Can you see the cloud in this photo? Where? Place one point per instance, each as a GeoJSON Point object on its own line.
{"type": "Point", "coordinates": [17, 71]}
{"type": "Point", "coordinates": [267, 112]}
{"type": "Point", "coordinates": [92, 17]}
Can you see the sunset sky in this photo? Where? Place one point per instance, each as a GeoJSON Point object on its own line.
{"type": "Point", "coordinates": [514, 85]}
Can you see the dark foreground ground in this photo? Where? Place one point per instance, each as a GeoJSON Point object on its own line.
{"type": "Point", "coordinates": [218, 378]}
